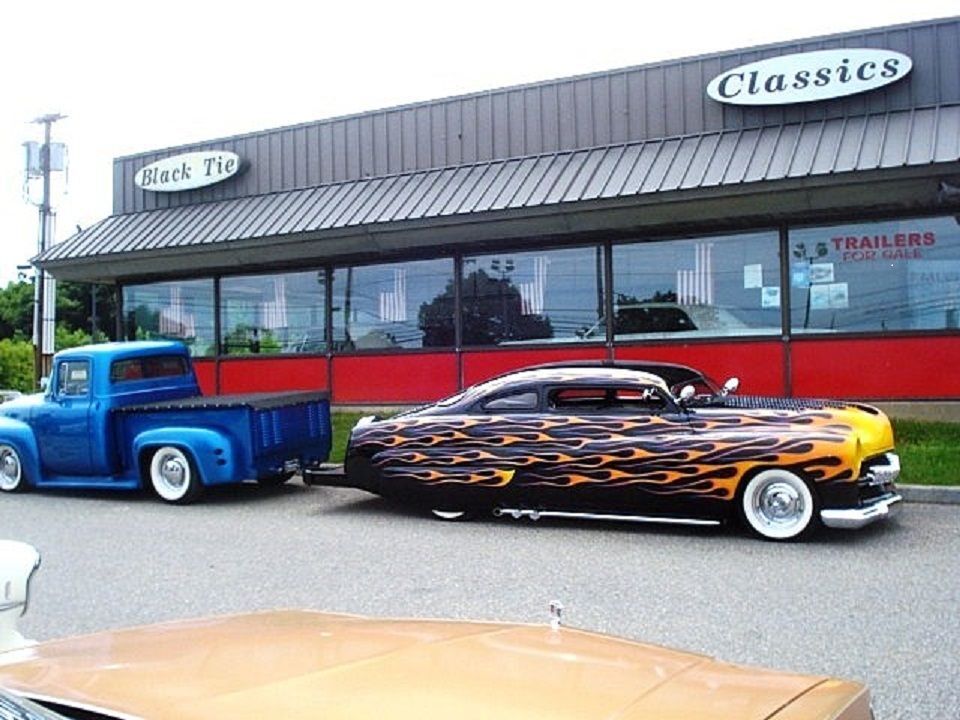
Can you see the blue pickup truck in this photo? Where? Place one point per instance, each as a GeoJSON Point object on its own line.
{"type": "Point", "coordinates": [130, 415]}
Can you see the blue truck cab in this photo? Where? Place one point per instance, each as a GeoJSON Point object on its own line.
{"type": "Point", "coordinates": [130, 415]}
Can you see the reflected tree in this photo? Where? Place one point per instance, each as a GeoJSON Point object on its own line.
{"type": "Point", "coordinates": [492, 313]}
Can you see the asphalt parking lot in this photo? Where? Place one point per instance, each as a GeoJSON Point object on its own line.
{"type": "Point", "coordinates": [878, 605]}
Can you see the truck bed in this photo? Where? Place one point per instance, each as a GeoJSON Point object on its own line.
{"type": "Point", "coordinates": [254, 401]}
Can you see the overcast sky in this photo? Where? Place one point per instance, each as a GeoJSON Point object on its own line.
{"type": "Point", "coordinates": [137, 76]}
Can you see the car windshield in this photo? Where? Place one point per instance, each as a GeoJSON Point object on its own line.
{"type": "Point", "coordinates": [13, 707]}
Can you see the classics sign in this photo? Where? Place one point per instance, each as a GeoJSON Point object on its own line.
{"type": "Point", "coordinates": [809, 77]}
{"type": "Point", "coordinates": [188, 171]}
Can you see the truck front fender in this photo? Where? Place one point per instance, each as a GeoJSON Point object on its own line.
{"type": "Point", "coordinates": [214, 453]}
{"type": "Point", "coordinates": [19, 435]}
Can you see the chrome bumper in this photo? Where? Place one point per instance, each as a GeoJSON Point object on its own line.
{"type": "Point", "coordinates": [851, 519]}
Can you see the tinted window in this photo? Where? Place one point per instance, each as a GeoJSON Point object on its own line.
{"type": "Point", "coordinates": [148, 367]}
{"type": "Point", "coordinates": [894, 275]}
{"type": "Point", "coordinates": [516, 402]}
{"type": "Point", "coordinates": [181, 310]}
{"type": "Point", "coordinates": [606, 399]}
{"type": "Point", "coordinates": [403, 305]}
{"type": "Point", "coordinates": [548, 295]}
{"type": "Point", "coordinates": [708, 286]}
{"type": "Point", "coordinates": [281, 313]}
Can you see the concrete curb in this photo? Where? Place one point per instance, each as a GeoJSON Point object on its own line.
{"type": "Point", "coordinates": [940, 495]}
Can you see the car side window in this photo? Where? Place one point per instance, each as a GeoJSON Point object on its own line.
{"type": "Point", "coordinates": [526, 401]}
{"type": "Point", "coordinates": [628, 399]}
{"type": "Point", "coordinates": [73, 378]}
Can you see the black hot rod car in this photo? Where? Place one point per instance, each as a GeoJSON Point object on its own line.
{"type": "Point", "coordinates": [648, 442]}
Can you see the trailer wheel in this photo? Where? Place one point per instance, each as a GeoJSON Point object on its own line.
{"type": "Point", "coordinates": [12, 476]}
{"type": "Point", "coordinates": [173, 476]}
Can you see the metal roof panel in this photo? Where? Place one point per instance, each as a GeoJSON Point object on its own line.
{"type": "Point", "coordinates": [798, 149]}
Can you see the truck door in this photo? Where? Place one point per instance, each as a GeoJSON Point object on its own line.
{"type": "Point", "coordinates": [62, 422]}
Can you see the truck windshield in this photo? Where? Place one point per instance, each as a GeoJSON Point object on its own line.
{"type": "Point", "coordinates": [143, 368]}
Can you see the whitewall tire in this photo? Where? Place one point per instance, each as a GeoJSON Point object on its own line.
{"type": "Point", "coordinates": [450, 515]}
{"type": "Point", "coordinates": [12, 477]}
{"type": "Point", "coordinates": [778, 505]}
{"type": "Point", "coordinates": [173, 476]}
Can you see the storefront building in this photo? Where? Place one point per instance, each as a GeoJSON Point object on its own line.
{"type": "Point", "coordinates": [788, 214]}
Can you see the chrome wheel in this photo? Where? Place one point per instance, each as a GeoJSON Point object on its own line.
{"type": "Point", "coordinates": [11, 469]}
{"type": "Point", "coordinates": [172, 476]}
{"type": "Point", "coordinates": [778, 505]}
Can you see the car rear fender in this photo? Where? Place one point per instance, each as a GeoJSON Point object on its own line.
{"type": "Point", "coordinates": [214, 453]}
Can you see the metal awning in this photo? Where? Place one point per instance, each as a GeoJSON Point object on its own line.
{"type": "Point", "coordinates": [326, 221]}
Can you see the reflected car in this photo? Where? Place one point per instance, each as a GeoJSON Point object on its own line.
{"type": "Point", "coordinates": [296, 664]}
{"type": "Point", "coordinates": [647, 442]}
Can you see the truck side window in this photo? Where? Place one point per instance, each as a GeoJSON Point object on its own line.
{"type": "Point", "coordinates": [73, 378]}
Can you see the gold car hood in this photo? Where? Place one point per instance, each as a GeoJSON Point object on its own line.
{"type": "Point", "coordinates": [297, 664]}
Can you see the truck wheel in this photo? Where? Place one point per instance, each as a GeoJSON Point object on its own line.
{"type": "Point", "coordinates": [12, 477]}
{"type": "Point", "coordinates": [173, 477]}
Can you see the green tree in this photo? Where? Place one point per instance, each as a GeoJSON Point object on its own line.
{"type": "Point", "coordinates": [16, 311]}
{"type": "Point", "coordinates": [16, 365]}
{"type": "Point", "coordinates": [74, 309]}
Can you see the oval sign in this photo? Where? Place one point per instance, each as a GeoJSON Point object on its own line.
{"type": "Point", "coordinates": [809, 77]}
{"type": "Point", "coordinates": [188, 171]}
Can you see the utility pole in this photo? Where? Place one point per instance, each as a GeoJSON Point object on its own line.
{"type": "Point", "coordinates": [44, 335]}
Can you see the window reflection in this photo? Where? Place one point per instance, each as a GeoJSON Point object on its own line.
{"type": "Point", "coordinates": [893, 275]}
{"type": "Point", "coordinates": [281, 313]}
{"type": "Point", "coordinates": [179, 310]}
{"type": "Point", "coordinates": [543, 296]}
{"type": "Point", "coordinates": [401, 305]}
{"type": "Point", "coordinates": [726, 285]}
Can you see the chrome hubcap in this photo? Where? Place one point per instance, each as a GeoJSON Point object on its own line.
{"type": "Point", "coordinates": [780, 503]}
{"type": "Point", "coordinates": [173, 472]}
{"type": "Point", "coordinates": [9, 469]}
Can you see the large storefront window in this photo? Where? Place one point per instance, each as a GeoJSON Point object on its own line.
{"type": "Point", "coordinates": [180, 310]}
{"type": "Point", "coordinates": [893, 275]}
{"type": "Point", "coordinates": [402, 305]}
{"type": "Point", "coordinates": [723, 285]}
{"type": "Point", "coordinates": [282, 313]}
{"type": "Point", "coordinates": [541, 296]}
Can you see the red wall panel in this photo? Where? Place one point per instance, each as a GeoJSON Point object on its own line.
{"type": "Point", "coordinates": [877, 368]}
{"type": "Point", "coordinates": [867, 368]}
{"type": "Point", "coordinates": [206, 372]}
{"type": "Point", "coordinates": [272, 374]}
{"type": "Point", "coordinates": [480, 365]}
{"type": "Point", "coordinates": [759, 365]}
{"type": "Point", "coordinates": [396, 378]}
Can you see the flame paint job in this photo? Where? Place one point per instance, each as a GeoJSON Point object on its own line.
{"type": "Point", "coordinates": [593, 458]}
{"type": "Point", "coordinates": [660, 454]}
